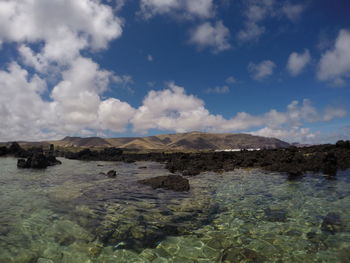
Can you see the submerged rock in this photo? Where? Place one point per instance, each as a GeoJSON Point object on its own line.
{"type": "Point", "coordinates": [275, 215]}
{"type": "Point", "coordinates": [332, 223]}
{"type": "Point", "coordinates": [191, 172]}
{"type": "Point", "coordinates": [236, 254]}
{"type": "Point", "coordinates": [170, 182]}
{"type": "Point", "coordinates": [112, 173]}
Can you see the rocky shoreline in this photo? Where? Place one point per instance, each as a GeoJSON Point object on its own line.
{"type": "Point", "coordinates": [295, 162]}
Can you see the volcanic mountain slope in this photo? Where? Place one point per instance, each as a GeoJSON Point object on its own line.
{"type": "Point", "coordinates": [179, 141]}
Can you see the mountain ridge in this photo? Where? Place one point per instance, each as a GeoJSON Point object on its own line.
{"type": "Point", "coordinates": [178, 141]}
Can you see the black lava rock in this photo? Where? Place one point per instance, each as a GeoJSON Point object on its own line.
{"type": "Point", "coordinates": [112, 173]}
{"type": "Point", "coordinates": [170, 182]}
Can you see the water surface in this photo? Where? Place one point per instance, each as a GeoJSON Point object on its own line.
{"type": "Point", "coordinates": [72, 214]}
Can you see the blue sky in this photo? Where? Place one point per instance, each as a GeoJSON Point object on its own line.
{"type": "Point", "coordinates": [142, 67]}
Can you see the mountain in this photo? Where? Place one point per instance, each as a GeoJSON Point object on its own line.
{"type": "Point", "coordinates": [179, 141]}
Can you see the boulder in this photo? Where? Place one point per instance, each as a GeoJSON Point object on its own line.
{"type": "Point", "coordinates": [191, 172]}
{"type": "Point", "coordinates": [3, 151]}
{"type": "Point", "coordinates": [332, 223]}
{"type": "Point", "coordinates": [169, 182]}
{"type": "Point", "coordinates": [330, 164]}
{"type": "Point", "coordinates": [22, 163]}
{"type": "Point", "coordinates": [53, 161]}
{"type": "Point", "coordinates": [112, 173]}
{"type": "Point", "coordinates": [38, 161]}
{"type": "Point", "coordinates": [15, 148]}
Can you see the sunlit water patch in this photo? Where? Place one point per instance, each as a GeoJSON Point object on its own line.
{"type": "Point", "coordinates": [72, 214]}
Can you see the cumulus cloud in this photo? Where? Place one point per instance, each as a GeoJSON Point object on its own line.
{"type": "Point", "coordinates": [75, 106]}
{"type": "Point", "coordinates": [295, 134]}
{"type": "Point", "coordinates": [213, 36]}
{"type": "Point", "coordinates": [334, 65]}
{"type": "Point", "coordinates": [50, 37]}
{"type": "Point", "coordinates": [64, 28]}
{"type": "Point", "coordinates": [172, 109]}
{"type": "Point", "coordinates": [293, 12]}
{"type": "Point", "coordinates": [114, 115]}
{"type": "Point", "coordinates": [261, 70]}
{"type": "Point", "coordinates": [297, 62]}
{"type": "Point", "coordinates": [231, 80]}
{"type": "Point", "coordinates": [257, 11]}
{"type": "Point", "coordinates": [22, 111]}
{"type": "Point", "coordinates": [187, 9]}
{"type": "Point", "coordinates": [218, 90]}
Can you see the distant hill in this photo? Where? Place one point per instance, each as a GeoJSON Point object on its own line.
{"type": "Point", "coordinates": [179, 141]}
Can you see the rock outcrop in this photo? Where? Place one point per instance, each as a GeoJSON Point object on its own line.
{"type": "Point", "coordinates": [38, 161]}
{"type": "Point", "coordinates": [169, 182]}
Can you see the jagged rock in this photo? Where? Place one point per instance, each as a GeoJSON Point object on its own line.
{"type": "Point", "coordinates": [190, 172]}
{"type": "Point", "coordinates": [112, 173]}
{"type": "Point", "coordinates": [112, 151]}
{"type": "Point", "coordinates": [170, 182]}
{"type": "Point", "coordinates": [343, 144]}
{"type": "Point", "coordinates": [38, 161]}
{"type": "Point", "coordinates": [332, 223]}
{"type": "Point", "coordinates": [22, 163]}
{"type": "Point", "coordinates": [53, 161]}
{"type": "Point", "coordinates": [15, 148]}
{"type": "Point", "coordinates": [330, 164]}
{"type": "Point", "coordinates": [3, 151]}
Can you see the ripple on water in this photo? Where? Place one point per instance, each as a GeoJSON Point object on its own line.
{"type": "Point", "coordinates": [70, 213]}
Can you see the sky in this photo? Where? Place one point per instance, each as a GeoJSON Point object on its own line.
{"type": "Point", "coordinates": [116, 68]}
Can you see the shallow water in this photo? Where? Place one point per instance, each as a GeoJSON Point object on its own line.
{"type": "Point", "coordinates": [71, 214]}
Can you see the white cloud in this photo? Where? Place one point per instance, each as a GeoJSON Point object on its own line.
{"type": "Point", "coordinates": [297, 62]}
{"type": "Point", "coordinates": [64, 28]}
{"type": "Point", "coordinates": [231, 80]}
{"type": "Point", "coordinates": [214, 36]}
{"type": "Point", "coordinates": [334, 113]}
{"type": "Point", "coordinates": [50, 37]}
{"type": "Point", "coordinates": [257, 11]}
{"type": "Point", "coordinates": [334, 65]}
{"type": "Point", "coordinates": [187, 9]}
{"type": "Point", "coordinates": [22, 111]}
{"type": "Point", "coordinates": [296, 134]}
{"type": "Point", "coordinates": [76, 105]}
{"type": "Point", "coordinates": [114, 115]}
{"type": "Point", "coordinates": [174, 110]}
{"type": "Point", "coordinates": [219, 90]}
{"type": "Point", "coordinates": [262, 70]}
{"type": "Point", "coordinates": [149, 58]}
{"type": "Point", "coordinates": [293, 12]}
{"type": "Point", "coordinates": [252, 31]}
{"type": "Point", "coordinates": [77, 108]}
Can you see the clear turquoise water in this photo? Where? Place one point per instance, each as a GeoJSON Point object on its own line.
{"type": "Point", "coordinates": [71, 214]}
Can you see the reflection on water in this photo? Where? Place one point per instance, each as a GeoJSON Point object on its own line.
{"type": "Point", "coordinates": [71, 214]}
